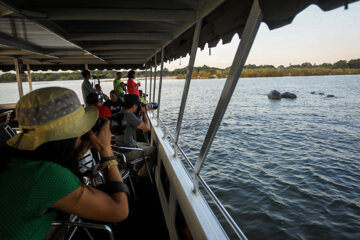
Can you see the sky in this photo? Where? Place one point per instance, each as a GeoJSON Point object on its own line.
{"type": "Point", "coordinates": [314, 36]}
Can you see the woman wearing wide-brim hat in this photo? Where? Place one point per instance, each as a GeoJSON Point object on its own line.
{"type": "Point", "coordinates": [38, 167]}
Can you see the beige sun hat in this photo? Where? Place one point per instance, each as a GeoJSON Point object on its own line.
{"type": "Point", "coordinates": [50, 114]}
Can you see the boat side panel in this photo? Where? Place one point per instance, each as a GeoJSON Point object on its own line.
{"type": "Point", "coordinates": [199, 217]}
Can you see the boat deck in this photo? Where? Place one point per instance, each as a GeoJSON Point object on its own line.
{"type": "Point", "coordinates": [145, 220]}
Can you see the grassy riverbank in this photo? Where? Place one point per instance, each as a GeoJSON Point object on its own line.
{"type": "Point", "coordinates": [341, 67]}
{"type": "Point", "coordinates": [274, 72]}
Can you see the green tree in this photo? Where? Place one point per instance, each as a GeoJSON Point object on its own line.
{"type": "Point", "coordinates": [354, 63]}
{"type": "Point", "coordinates": [250, 66]}
{"type": "Point", "coordinates": [306, 65]}
{"type": "Point", "coordinates": [326, 65]}
{"type": "Point", "coordinates": [341, 64]}
{"type": "Point", "coordinates": [295, 66]}
{"type": "Point", "coordinates": [8, 77]}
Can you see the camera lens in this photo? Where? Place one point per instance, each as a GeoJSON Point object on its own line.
{"type": "Point", "coordinates": [117, 124]}
{"type": "Point", "coordinates": [153, 105]}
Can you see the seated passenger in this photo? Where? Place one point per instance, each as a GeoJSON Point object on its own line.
{"type": "Point", "coordinates": [124, 89]}
{"type": "Point", "coordinates": [142, 97]}
{"type": "Point", "coordinates": [101, 95]}
{"type": "Point", "coordinates": [39, 169]}
{"type": "Point", "coordinates": [151, 105]}
{"type": "Point", "coordinates": [129, 138]}
{"type": "Point", "coordinates": [93, 100]}
{"type": "Point", "coordinates": [115, 103]}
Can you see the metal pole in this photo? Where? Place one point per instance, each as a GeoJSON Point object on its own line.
{"type": "Point", "coordinates": [187, 82]}
{"type": "Point", "coordinates": [160, 85]}
{"type": "Point", "coordinates": [29, 76]}
{"type": "Point", "coordinates": [86, 66]}
{"type": "Point", "coordinates": [150, 84]}
{"type": "Point", "coordinates": [27, 65]}
{"type": "Point", "coordinates": [248, 36]}
{"type": "Point", "coordinates": [18, 78]}
{"type": "Point", "coordinates": [145, 81]}
{"type": "Point", "coordinates": [153, 99]}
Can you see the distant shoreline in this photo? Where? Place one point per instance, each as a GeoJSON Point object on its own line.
{"type": "Point", "coordinates": [199, 78]}
{"type": "Point", "coordinates": [193, 78]}
{"type": "Point", "coordinates": [341, 67]}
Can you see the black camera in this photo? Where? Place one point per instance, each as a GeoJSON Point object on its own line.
{"type": "Point", "coordinates": [152, 105]}
{"type": "Point", "coordinates": [117, 125]}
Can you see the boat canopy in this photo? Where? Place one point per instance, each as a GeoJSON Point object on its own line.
{"type": "Point", "coordinates": [65, 35]}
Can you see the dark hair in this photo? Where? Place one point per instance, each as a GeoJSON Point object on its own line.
{"type": "Point", "coordinates": [114, 92]}
{"type": "Point", "coordinates": [85, 73]}
{"type": "Point", "coordinates": [130, 100]}
{"type": "Point", "coordinates": [131, 74]}
{"type": "Point", "coordinates": [62, 152]}
{"type": "Point", "coordinates": [97, 85]}
{"type": "Point", "coordinates": [92, 99]}
{"type": "Point", "coordinates": [118, 73]}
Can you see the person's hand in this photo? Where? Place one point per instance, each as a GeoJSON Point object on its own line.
{"type": "Point", "coordinates": [139, 84]}
{"type": "Point", "coordinates": [144, 108]}
{"type": "Point", "coordinates": [102, 141]}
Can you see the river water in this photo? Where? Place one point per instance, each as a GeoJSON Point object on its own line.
{"type": "Point", "coordinates": [287, 169]}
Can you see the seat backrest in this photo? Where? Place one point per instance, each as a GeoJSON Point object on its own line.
{"type": "Point", "coordinates": [5, 117]}
{"type": "Point", "coordinates": [118, 124]}
{"type": "Point", "coordinates": [6, 132]}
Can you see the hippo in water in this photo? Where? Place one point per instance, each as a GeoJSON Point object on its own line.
{"type": "Point", "coordinates": [288, 95]}
{"type": "Point", "coordinates": [274, 95]}
{"type": "Point", "coordinates": [317, 93]}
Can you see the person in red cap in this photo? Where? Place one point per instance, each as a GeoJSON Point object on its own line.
{"type": "Point", "coordinates": [93, 100]}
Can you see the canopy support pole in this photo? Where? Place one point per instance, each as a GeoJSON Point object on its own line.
{"type": "Point", "coordinates": [150, 95]}
{"type": "Point", "coordinates": [86, 66]}
{"type": "Point", "coordinates": [153, 98]}
{"type": "Point", "coordinates": [145, 81]}
{"type": "Point", "coordinates": [248, 37]}
{"type": "Point", "coordinates": [29, 76]}
{"type": "Point", "coordinates": [18, 78]}
{"type": "Point", "coordinates": [194, 47]}
{"type": "Point", "coordinates": [160, 85]}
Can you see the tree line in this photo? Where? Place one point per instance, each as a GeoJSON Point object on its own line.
{"type": "Point", "coordinates": [341, 67]}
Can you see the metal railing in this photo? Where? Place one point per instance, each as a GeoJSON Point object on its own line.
{"type": "Point", "coordinates": [248, 36]}
{"type": "Point", "coordinates": [247, 39]}
{"type": "Point", "coordinates": [85, 226]}
{"type": "Point", "coordinates": [206, 187]}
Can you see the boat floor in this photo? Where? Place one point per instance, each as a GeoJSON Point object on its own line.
{"type": "Point", "coordinates": [145, 221]}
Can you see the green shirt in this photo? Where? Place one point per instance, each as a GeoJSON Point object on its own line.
{"type": "Point", "coordinates": [142, 99]}
{"type": "Point", "coordinates": [28, 188]}
{"type": "Point", "coordinates": [117, 82]}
